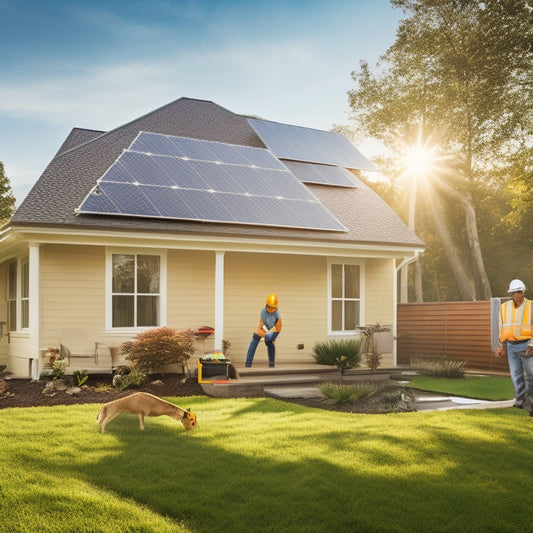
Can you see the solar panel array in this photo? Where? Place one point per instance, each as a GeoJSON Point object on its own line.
{"type": "Point", "coordinates": [322, 174]}
{"type": "Point", "coordinates": [309, 145]}
{"type": "Point", "coordinates": [162, 176]}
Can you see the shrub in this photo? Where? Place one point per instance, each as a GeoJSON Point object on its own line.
{"type": "Point", "coordinates": [154, 349]}
{"type": "Point", "coordinates": [125, 381]}
{"type": "Point", "coordinates": [440, 368]}
{"type": "Point", "coordinates": [343, 353]}
{"type": "Point", "coordinates": [345, 393]}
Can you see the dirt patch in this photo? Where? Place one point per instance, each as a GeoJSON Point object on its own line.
{"type": "Point", "coordinates": [97, 389]}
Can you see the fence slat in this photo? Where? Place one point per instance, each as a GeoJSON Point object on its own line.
{"type": "Point", "coordinates": [459, 331]}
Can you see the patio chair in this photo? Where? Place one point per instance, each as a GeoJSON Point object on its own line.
{"type": "Point", "coordinates": [77, 343]}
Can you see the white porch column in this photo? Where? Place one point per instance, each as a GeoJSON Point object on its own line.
{"type": "Point", "coordinates": [34, 318]}
{"type": "Point", "coordinates": [219, 300]}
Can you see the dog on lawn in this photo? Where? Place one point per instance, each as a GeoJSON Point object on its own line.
{"type": "Point", "coordinates": [144, 404]}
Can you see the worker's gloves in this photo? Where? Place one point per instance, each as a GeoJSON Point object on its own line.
{"type": "Point", "coordinates": [529, 350]}
{"type": "Point", "coordinates": [271, 336]}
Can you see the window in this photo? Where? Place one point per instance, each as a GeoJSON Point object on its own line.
{"type": "Point", "coordinates": [345, 286]}
{"type": "Point", "coordinates": [25, 293]}
{"type": "Point", "coordinates": [135, 290]}
{"type": "Point", "coordinates": [12, 296]}
{"type": "Point", "coordinates": [18, 297]}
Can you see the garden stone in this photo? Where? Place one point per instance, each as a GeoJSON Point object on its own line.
{"type": "Point", "coordinates": [60, 385]}
{"type": "Point", "coordinates": [73, 391]}
{"type": "Point", "coordinates": [49, 389]}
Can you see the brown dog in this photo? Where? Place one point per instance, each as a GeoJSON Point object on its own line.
{"type": "Point", "coordinates": [144, 404]}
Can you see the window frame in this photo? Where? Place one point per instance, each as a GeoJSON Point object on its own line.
{"type": "Point", "coordinates": [345, 262]}
{"type": "Point", "coordinates": [110, 252]}
{"type": "Point", "coordinates": [16, 296]}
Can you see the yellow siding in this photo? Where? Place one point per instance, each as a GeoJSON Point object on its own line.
{"type": "Point", "coordinates": [72, 290]}
{"type": "Point", "coordinates": [301, 285]}
{"type": "Point", "coordinates": [191, 292]}
{"type": "Point", "coordinates": [379, 291]}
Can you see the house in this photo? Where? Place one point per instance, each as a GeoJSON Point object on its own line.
{"type": "Point", "coordinates": [190, 216]}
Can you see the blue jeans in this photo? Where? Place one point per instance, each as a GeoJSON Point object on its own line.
{"type": "Point", "coordinates": [518, 365]}
{"type": "Point", "coordinates": [271, 348]}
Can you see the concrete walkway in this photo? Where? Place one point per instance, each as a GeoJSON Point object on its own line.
{"type": "Point", "coordinates": [425, 402]}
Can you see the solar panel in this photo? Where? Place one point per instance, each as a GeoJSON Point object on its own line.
{"type": "Point", "coordinates": [161, 176]}
{"type": "Point", "coordinates": [310, 145]}
{"type": "Point", "coordinates": [322, 174]}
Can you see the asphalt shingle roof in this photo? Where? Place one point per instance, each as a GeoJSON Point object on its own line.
{"type": "Point", "coordinates": [87, 154]}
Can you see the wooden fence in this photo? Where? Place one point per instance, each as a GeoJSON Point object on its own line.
{"type": "Point", "coordinates": [455, 330]}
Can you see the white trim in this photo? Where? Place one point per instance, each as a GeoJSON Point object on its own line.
{"type": "Point", "coordinates": [34, 305]}
{"type": "Point", "coordinates": [110, 251]}
{"type": "Point", "coordinates": [219, 243]}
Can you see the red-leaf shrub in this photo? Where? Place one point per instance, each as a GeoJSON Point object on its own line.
{"type": "Point", "coordinates": [154, 349]}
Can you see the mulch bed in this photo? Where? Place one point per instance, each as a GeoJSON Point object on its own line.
{"type": "Point", "coordinates": [97, 389]}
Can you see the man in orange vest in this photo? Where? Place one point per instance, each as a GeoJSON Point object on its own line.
{"type": "Point", "coordinates": [268, 328]}
{"type": "Point", "coordinates": [515, 332]}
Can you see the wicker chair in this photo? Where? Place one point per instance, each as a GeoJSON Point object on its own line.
{"type": "Point", "coordinates": [77, 343]}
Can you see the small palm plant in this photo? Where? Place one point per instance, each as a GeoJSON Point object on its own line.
{"type": "Point", "coordinates": [344, 353]}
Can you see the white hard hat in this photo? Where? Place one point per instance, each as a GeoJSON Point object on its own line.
{"type": "Point", "coordinates": [516, 285]}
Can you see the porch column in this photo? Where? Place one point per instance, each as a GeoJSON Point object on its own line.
{"type": "Point", "coordinates": [219, 300]}
{"type": "Point", "coordinates": [34, 319]}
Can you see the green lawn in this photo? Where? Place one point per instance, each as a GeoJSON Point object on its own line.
{"type": "Point", "coordinates": [263, 465]}
{"type": "Point", "coordinates": [482, 387]}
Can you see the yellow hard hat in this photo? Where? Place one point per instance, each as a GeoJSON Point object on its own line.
{"type": "Point", "coordinates": [272, 301]}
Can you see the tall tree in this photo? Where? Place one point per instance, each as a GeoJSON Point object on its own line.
{"type": "Point", "coordinates": [7, 200]}
{"type": "Point", "coordinates": [458, 79]}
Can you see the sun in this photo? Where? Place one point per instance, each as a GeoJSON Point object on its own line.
{"type": "Point", "coordinates": [418, 160]}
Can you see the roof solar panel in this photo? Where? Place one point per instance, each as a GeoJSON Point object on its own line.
{"type": "Point", "coordinates": [161, 176]}
{"type": "Point", "coordinates": [322, 174]}
{"type": "Point", "coordinates": [310, 145]}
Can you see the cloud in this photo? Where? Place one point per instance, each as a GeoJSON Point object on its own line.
{"type": "Point", "coordinates": [103, 96]}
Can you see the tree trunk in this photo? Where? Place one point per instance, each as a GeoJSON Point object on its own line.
{"type": "Point", "coordinates": [480, 275]}
{"type": "Point", "coordinates": [419, 297]}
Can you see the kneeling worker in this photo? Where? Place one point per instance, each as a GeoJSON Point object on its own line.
{"type": "Point", "coordinates": [268, 327]}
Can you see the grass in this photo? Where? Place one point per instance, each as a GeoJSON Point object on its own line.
{"type": "Point", "coordinates": [264, 465]}
{"type": "Point", "coordinates": [482, 387]}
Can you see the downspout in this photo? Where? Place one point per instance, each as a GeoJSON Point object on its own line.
{"type": "Point", "coordinates": [404, 263]}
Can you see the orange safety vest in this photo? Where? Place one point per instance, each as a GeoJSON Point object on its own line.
{"type": "Point", "coordinates": [515, 323]}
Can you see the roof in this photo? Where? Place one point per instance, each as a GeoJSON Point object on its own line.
{"type": "Point", "coordinates": [85, 156]}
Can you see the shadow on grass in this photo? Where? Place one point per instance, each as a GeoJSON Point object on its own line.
{"type": "Point", "coordinates": [243, 471]}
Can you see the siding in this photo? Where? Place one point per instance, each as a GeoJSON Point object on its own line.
{"type": "Point", "coordinates": [379, 290]}
{"type": "Point", "coordinates": [455, 330]}
{"type": "Point", "coordinates": [301, 285]}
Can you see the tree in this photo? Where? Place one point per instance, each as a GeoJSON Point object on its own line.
{"type": "Point", "coordinates": [458, 80]}
{"type": "Point", "coordinates": [7, 200]}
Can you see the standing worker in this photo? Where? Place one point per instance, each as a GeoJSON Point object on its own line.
{"type": "Point", "coordinates": [515, 333]}
{"type": "Point", "coordinates": [268, 327]}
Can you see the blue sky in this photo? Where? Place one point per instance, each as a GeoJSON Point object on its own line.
{"type": "Point", "coordinates": [97, 64]}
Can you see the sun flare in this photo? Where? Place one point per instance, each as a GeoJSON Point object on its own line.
{"type": "Point", "coordinates": [418, 160]}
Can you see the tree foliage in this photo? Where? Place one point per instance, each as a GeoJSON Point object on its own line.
{"type": "Point", "coordinates": [7, 200]}
{"type": "Point", "coordinates": [457, 79]}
